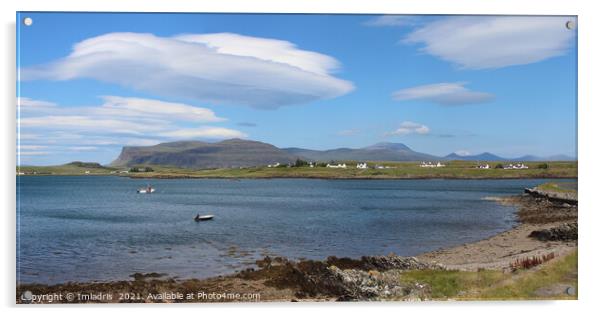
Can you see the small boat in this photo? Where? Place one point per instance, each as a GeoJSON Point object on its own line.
{"type": "Point", "coordinates": [200, 218]}
{"type": "Point", "coordinates": [146, 190]}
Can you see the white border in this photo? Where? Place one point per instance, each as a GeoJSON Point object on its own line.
{"type": "Point", "coordinates": [589, 144]}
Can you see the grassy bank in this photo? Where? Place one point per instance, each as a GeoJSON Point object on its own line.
{"type": "Point", "coordinates": [74, 168]}
{"type": "Point", "coordinates": [545, 282]}
{"type": "Point", "coordinates": [558, 187]}
{"type": "Point", "coordinates": [391, 170]}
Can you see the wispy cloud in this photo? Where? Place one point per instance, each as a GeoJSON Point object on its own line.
{"type": "Point", "coordinates": [120, 114]}
{"type": "Point", "coordinates": [33, 153]}
{"type": "Point", "coordinates": [218, 68]}
{"type": "Point", "coordinates": [89, 124]}
{"type": "Point", "coordinates": [494, 41]}
{"type": "Point", "coordinates": [28, 103]}
{"type": "Point", "coordinates": [446, 93]}
{"type": "Point", "coordinates": [392, 20]}
{"type": "Point", "coordinates": [57, 138]}
{"type": "Point", "coordinates": [138, 107]}
{"type": "Point", "coordinates": [119, 121]}
{"type": "Point", "coordinates": [409, 127]}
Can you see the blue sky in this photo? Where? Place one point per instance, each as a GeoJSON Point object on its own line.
{"type": "Point", "coordinates": [91, 83]}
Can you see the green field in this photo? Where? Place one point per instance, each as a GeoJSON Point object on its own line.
{"type": "Point", "coordinates": [395, 170]}
{"type": "Point", "coordinates": [73, 168]}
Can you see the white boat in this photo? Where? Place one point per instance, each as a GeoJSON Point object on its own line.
{"type": "Point", "coordinates": [146, 190]}
{"type": "Point", "coordinates": [200, 218]}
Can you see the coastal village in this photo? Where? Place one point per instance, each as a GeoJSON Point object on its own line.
{"type": "Point", "coordinates": [362, 165]}
{"type": "Point", "coordinates": [423, 164]}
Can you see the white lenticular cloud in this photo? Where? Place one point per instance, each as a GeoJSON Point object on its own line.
{"type": "Point", "coordinates": [118, 121]}
{"type": "Point", "coordinates": [28, 103]}
{"type": "Point", "coordinates": [408, 127]}
{"type": "Point", "coordinates": [33, 153]}
{"type": "Point", "coordinates": [219, 68]}
{"type": "Point", "coordinates": [138, 107]}
{"type": "Point", "coordinates": [494, 41]}
{"type": "Point", "coordinates": [272, 50]}
{"type": "Point", "coordinates": [88, 124]}
{"type": "Point", "coordinates": [453, 93]}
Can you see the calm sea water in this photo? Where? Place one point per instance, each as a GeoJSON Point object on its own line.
{"type": "Point", "coordinates": [97, 228]}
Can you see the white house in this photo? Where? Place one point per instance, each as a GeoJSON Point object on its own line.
{"type": "Point", "coordinates": [429, 164]}
{"type": "Point", "coordinates": [485, 166]}
{"type": "Point", "coordinates": [87, 172]}
{"type": "Point", "coordinates": [343, 166]}
{"type": "Point", "coordinates": [426, 165]}
{"type": "Point", "coordinates": [362, 165]}
{"type": "Point", "coordinates": [274, 165]}
{"type": "Point", "coordinates": [519, 165]}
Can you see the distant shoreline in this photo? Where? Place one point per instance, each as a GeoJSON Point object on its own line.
{"type": "Point", "coordinates": [382, 170]}
{"type": "Point", "coordinates": [352, 178]}
{"type": "Point", "coordinates": [193, 177]}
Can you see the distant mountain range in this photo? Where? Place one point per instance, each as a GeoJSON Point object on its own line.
{"type": "Point", "coordinates": [491, 157]}
{"type": "Point", "coordinates": [236, 153]}
{"type": "Point", "coordinates": [377, 152]}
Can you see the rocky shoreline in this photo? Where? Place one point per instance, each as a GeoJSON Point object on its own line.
{"type": "Point", "coordinates": [546, 225]}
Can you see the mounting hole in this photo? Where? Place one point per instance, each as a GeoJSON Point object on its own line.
{"type": "Point", "coordinates": [570, 25]}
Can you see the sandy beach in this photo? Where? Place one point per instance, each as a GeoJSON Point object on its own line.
{"type": "Point", "coordinates": [499, 251]}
